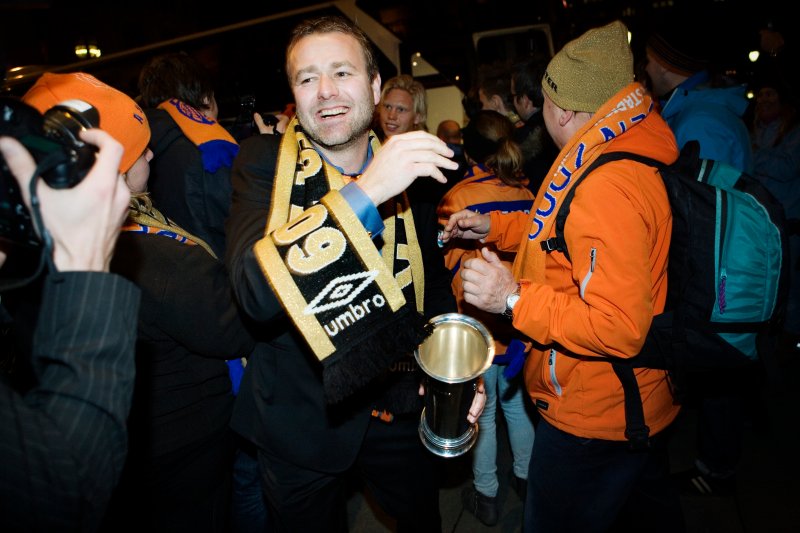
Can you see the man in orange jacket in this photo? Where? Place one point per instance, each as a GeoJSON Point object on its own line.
{"type": "Point", "coordinates": [583, 475]}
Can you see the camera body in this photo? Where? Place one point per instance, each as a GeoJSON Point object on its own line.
{"type": "Point", "coordinates": [247, 107]}
{"type": "Point", "coordinates": [62, 158]}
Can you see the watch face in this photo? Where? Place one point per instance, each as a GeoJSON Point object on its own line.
{"type": "Point", "coordinates": [511, 301]}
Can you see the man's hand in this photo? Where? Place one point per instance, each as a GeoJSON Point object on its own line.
{"type": "Point", "coordinates": [83, 221]}
{"type": "Point", "coordinates": [466, 224]}
{"type": "Point", "coordinates": [487, 282]}
{"type": "Point", "coordinates": [403, 159]}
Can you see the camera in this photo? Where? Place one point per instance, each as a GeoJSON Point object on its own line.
{"type": "Point", "coordinates": [247, 107]}
{"type": "Point", "coordinates": [62, 158]}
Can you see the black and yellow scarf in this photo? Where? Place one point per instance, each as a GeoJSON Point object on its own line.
{"type": "Point", "coordinates": [357, 301]}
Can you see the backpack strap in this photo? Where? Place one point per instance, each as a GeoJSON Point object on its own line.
{"type": "Point", "coordinates": [558, 242]}
{"type": "Point", "coordinates": [636, 431]}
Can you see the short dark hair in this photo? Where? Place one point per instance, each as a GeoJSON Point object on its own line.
{"type": "Point", "coordinates": [175, 75]}
{"type": "Point", "coordinates": [527, 77]}
{"type": "Point", "coordinates": [331, 24]}
{"type": "Point", "coordinates": [494, 79]}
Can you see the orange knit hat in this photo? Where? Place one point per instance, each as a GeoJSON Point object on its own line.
{"type": "Point", "coordinates": [120, 116]}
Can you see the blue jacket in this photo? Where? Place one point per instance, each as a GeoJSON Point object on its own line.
{"type": "Point", "coordinates": [712, 116]}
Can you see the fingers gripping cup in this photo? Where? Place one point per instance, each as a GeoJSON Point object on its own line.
{"type": "Point", "coordinates": [454, 356]}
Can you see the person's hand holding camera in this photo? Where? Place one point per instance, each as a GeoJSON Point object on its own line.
{"type": "Point", "coordinates": [83, 221]}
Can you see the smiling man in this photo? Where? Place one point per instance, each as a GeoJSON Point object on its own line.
{"type": "Point", "coordinates": [340, 275]}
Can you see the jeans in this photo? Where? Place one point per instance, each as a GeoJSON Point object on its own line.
{"type": "Point", "coordinates": [592, 485]}
{"type": "Point", "coordinates": [248, 507]}
{"type": "Point", "coordinates": [511, 396]}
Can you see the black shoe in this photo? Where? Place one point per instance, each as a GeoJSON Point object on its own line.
{"type": "Point", "coordinates": [483, 507]}
{"type": "Point", "coordinates": [520, 486]}
{"type": "Point", "coordinates": [693, 482]}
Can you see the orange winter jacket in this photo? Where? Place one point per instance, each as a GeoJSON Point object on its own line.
{"type": "Point", "coordinates": [481, 191]}
{"type": "Point", "coordinates": [601, 304]}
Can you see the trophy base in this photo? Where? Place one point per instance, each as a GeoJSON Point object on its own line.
{"type": "Point", "coordinates": [446, 447]}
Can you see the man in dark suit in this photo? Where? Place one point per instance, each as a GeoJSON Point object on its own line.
{"type": "Point", "coordinates": [342, 279]}
{"type": "Point", "coordinates": [64, 439]}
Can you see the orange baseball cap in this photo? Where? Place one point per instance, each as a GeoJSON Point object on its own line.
{"type": "Point", "coordinates": [120, 116]}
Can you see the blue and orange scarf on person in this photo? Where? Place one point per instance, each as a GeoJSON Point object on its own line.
{"type": "Point", "coordinates": [217, 147]}
{"type": "Point", "coordinates": [144, 218]}
{"type": "Point", "coordinates": [625, 110]}
{"type": "Point", "coordinates": [357, 301]}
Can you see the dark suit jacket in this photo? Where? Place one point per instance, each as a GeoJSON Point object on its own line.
{"type": "Point", "coordinates": [63, 443]}
{"type": "Point", "coordinates": [280, 406]}
{"type": "Point", "coordinates": [188, 326]}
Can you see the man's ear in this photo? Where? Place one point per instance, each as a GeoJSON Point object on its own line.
{"type": "Point", "coordinates": [376, 89]}
{"type": "Point", "coordinates": [497, 102]}
{"type": "Point", "coordinates": [564, 116]}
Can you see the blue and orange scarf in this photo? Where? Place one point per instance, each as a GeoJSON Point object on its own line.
{"type": "Point", "coordinates": [623, 111]}
{"type": "Point", "coordinates": [217, 146]}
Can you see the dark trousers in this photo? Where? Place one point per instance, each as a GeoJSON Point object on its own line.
{"type": "Point", "coordinates": [397, 469]}
{"type": "Point", "coordinates": [587, 485]}
{"type": "Point", "coordinates": [721, 398]}
{"type": "Point", "coordinates": [248, 506]}
{"type": "Point", "coordinates": [186, 490]}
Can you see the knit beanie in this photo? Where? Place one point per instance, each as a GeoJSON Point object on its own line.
{"type": "Point", "coordinates": [591, 69]}
{"type": "Point", "coordinates": [678, 50]}
{"type": "Point", "coordinates": [120, 116]}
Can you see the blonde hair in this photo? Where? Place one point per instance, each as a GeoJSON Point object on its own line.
{"type": "Point", "coordinates": [408, 84]}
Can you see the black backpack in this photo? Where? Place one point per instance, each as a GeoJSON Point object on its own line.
{"type": "Point", "coordinates": [726, 274]}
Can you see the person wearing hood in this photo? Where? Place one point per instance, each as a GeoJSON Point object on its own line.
{"type": "Point", "coordinates": [678, 69]}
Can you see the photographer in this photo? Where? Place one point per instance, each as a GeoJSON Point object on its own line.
{"type": "Point", "coordinates": [64, 440]}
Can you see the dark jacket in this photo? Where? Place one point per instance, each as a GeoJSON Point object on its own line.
{"type": "Point", "coordinates": [196, 200]}
{"type": "Point", "coordinates": [64, 441]}
{"type": "Point", "coordinates": [188, 326]}
{"type": "Point", "coordinates": [538, 150]}
{"type": "Point", "coordinates": [280, 406]}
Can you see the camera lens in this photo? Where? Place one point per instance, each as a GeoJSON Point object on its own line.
{"type": "Point", "coordinates": [65, 121]}
{"type": "Point", "coordinates": [63, 124]}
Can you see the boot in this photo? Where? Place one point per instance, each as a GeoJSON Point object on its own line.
{"type": "Point", "coordinates": [483, 507]}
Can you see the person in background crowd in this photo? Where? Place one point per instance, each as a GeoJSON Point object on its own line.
{"type": "Point", "coordinates": [679, 69]}
{"type": "Point", "coordinates": [333, 387]}
{"type": "Point", "coordinates": [597, 305]}
{"type": "Point", "coordinates": [494, 182]}
{"type": "Point", "coordinates": [775, 133]}
{"type": "Point", "coordinates": [192, 153]}
{"type": "Point", "coordinates": [64, 439]}
{"type": "Point", "coordinates": [494, 91]}
{"type": "Point", "coordinates": [538, 150]}
{"type": "Point", "coordinates": [190, 183]}
{"type": "Point", "coordinates": [403, 106]}
{"type": "Point", "coordinates": [450, 132]}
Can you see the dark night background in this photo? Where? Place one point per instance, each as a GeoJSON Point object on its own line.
{"type": "Point", "coordinates": [250, 60]}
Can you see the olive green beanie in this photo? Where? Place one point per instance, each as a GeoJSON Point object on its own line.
{"type": "Point", "coordinates": [591, 69]}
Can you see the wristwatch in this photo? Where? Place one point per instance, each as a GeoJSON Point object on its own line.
{"type": "Point", "coordinates": [511, 301]}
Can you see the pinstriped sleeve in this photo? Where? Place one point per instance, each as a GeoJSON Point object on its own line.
{"type": "Point", "coordinates": [63, 444]}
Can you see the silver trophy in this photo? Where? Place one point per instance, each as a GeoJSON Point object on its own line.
{"type": "Point", "coordinates": [454, 356]}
